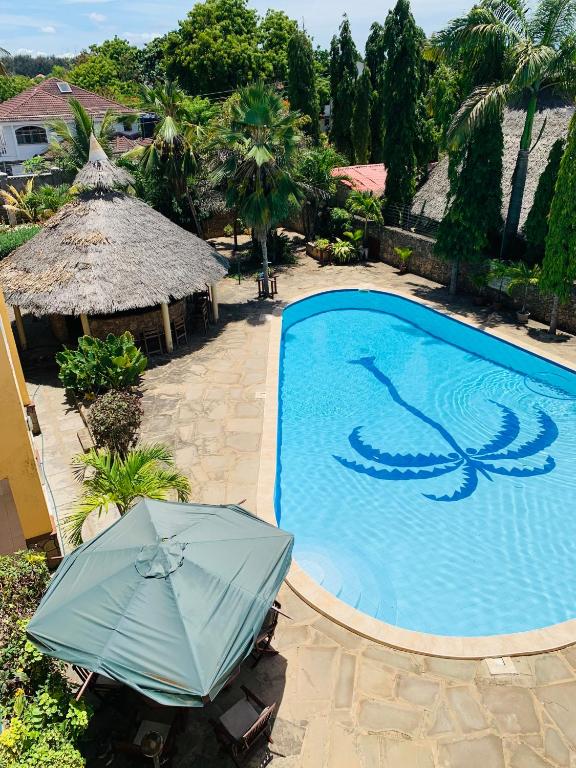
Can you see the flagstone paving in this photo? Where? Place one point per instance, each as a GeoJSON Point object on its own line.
{"type": "Point", "coordinates": [343, 702]}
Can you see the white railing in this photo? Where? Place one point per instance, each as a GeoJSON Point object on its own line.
{"type": "Point", "coordinates": [2, 143]}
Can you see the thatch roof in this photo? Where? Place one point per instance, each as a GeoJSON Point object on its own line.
{"type": "Point", "coordinates": [106, 252]}
{"type": "Point", "coordinates": [430, 200]}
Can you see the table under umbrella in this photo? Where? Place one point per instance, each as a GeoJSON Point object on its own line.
{"type": "Point", "coordinates": [168, 600]}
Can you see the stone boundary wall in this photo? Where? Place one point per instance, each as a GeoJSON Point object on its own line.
{"type": "Point", "coordinates": [425, 263]}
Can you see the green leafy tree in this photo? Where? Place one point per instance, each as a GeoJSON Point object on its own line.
{"type": "Point", "coordinates": [536, 226]}
{"type": "Point", "coordinates": [275, 31]}
{"type": "Point", "coordinates": [31, 66]}
{"type": "Point", "coordinates": [171, 154]}
{"type": "Point", "coordinates": [343, 73]}
{"type": "Point", "coordinates": [402, 90]}
{"type": "Point", "coordinates": [314, 172]}
{"type": "Point", "coordinates": [361, 118]}
{"type": "Point", "coordinates": [475, 200]}
{"type": "Point", "coordinates": [126, 57]}
{"type": "Point", "coordinates": [366, 206]}
{"type": "Point", "coordinates": [302, 81]}
{"type": "Point", "coordinates": [442, 100]}
{"type": "Point", "coordinates": [109, 479]}
{"type": "Point", "coordinates": [375, 58]}
{"type": "Point", "coordinates": [261, 144]}
{"type": "Point", "coordinates": [215, 47]}
{"type": "Point", "coordinates": [559, 265]}
{"type": "Point", "coordinates": [12, 85]}
{"type": "Point", "coordinates": [71, 145]}
{"type": "Point", "coordinates": [539, 46]}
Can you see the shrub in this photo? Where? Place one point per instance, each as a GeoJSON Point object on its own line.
{"type": "Point", "coordinates": [97, 366]}
{"type": "Point", "coordinates": [11, 238]}
{"type": "Point", "coordinates": [340, 221]}
{"type": "Point", "coordinates": [115, 420]}
{"type": "Point", "coordinates": [343, 251]}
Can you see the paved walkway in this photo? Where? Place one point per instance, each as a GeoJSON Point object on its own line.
{"type": "Point", "coordinates": [343, 701]}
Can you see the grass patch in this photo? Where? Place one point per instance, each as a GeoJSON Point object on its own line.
{"type": "Point", "coordinates": [10, 239]}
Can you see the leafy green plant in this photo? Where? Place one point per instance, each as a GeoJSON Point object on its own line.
{"type": "Point", "coordinates": [45, 201]}
{"type": "Point", "coordinates": [343, 251]}
{"type": "Point", "coordinates": [322, 243]}
{"type": "Point", "coordinates": [111, 479]}
{"type": "Point", "coordinates": [114, 420]}
{"type": "Point", "coordinates": [13, 237]}
{"type": "Point", "coordinates": [99, 365]}
{"type": "Point", "coordinates": [340, 221]}
{"type": "Point", "coordinates": [36, 164]}
{"type": "Point", "coordinates": [355, 237]}
{"type": "Point", "coordinates": [282, 248]}
{"type": "Point", "coordinates": [523, 277]}
{"type": "Point", "coordinates": [228, 230]}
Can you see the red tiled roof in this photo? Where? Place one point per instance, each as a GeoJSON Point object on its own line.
{"type": "Point", "coordinates": [122, 144]}
{"type": "Point", "coordinates": [45, 101]}
{"type": "Point", "coordinates": [364, 178]}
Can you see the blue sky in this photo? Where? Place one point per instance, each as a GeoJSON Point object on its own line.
{"type": "Point", "coordinates": [68, 26]}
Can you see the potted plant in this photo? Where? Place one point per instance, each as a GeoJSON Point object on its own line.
{"type": "Point", "coordinates": [404, 256]}
{"type": "Point", "coordinates": [521, 276]}
{"type": "Point", "coordinates": [342, 251]}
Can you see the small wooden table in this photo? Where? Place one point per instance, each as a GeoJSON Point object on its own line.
{"type": "Point", "coordinates": [272, 286]}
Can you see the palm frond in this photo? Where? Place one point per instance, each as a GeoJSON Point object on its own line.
{"type": "Point", "coordinates": [553, 21]}
{"type": "Point", "coordinates": [483, 105]}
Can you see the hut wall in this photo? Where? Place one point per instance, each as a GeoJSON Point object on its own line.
{"type": "Point", "coordinates": [59, 328]}
{"type": "Point", "coordinates": [214, 226]}
{"type": "Point", "coordinates": [137, 324]}
{"type": "Point", "coordinates": [425, 263]}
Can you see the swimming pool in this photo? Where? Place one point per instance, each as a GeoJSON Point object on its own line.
{"type": "Point", "coordinates": [425, 467]}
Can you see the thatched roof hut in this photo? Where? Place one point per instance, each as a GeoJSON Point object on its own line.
{"type": "Point", "coordinates": [430, 200]}
{"type": "Point", "coordinates": [106, 252]}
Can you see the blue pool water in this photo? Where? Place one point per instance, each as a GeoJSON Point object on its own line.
{"type": "Point", "coordinates": [426, 468]}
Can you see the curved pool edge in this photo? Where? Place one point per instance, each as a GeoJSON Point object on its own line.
{"type": "Point", "coordinates": [541, 640]}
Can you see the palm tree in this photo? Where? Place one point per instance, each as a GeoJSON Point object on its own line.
{"type": "Point", "coordinates": [171, 153]}
{"type": "Point", "coordinates": [73, 143]}
{"type": "Point", "coordinates": [16, 201]}
{"type": "Point", "coordinates": [260, 145]}
{"type": "Point", "coordinates": [111, 479]}
{"type": "Point", "coordinates": [366, 206]}
{"type": "Point", "coordinates": [539, 49]}
{"type": "Point", "coordinates": [315, 174]}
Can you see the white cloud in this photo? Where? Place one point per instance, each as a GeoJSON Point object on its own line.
{"type": "Point", "coordinates": [97, 18]}
{"type": "Point", "coordinates": [48, 29]}
{"type": "Point", "coordinates": [141, 37]}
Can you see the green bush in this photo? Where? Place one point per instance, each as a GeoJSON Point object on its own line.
{"type": "Point", "coordinates": [340, 222]}
{"type": "Point", "coordinates": [13, 237]}
{"type": "Point", "coordinates": [97, 366]}
{"type": "Point", "coordinates": [115, 420]}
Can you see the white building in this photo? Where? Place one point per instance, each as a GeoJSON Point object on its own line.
{"type": "Point", "coordinates": [24, 119]}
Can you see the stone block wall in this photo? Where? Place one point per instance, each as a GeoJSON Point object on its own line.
{"type": "Point", "coordinates": [425, 263]}
{"type": "Point", "coordinates": [102, 325]}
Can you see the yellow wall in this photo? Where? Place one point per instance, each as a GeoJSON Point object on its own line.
{"type": "Point", "coordinates": [17, 460]}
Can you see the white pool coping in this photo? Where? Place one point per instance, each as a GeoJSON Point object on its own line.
{"type": "Point", "coordinates": [516, 644]}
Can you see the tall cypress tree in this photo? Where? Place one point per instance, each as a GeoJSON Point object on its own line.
{"type": "Point", "coordinates": [302, 81]}
{"type": "Point", "coordinates": [361, 118]}
{"type": "Point", "coordinates": [536, 226]}
{"type": "Point", "coordinates": [559, 265]}
{"type": "Point", "coordinates": [401, 90]}
{"type": "Point", "coordinates": [475, 201]}
{"type": "Point", "coordinates": [343, 73]}
{"type": "Point", "coordinates": [375, 58]}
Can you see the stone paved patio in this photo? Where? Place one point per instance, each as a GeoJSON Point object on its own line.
{"type": "Point", "coordinates": [343, 701]}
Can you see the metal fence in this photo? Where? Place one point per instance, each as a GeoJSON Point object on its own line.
{"type": "Point", "coordinates": [402, 217]}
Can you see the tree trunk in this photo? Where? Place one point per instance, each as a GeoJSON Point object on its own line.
{"type": "Point", "coordinates": [235, 234]}
{"type": "Point", "coordinates": [554, 315]}
{"type": "Point", "coordinates": [454, 277]}
{"type": "Point", "coordinates": [519, 178]}
{"type": "Point", "coordinates": [194, 213]}
{"type": "Point", "coordinates": [264, 246]}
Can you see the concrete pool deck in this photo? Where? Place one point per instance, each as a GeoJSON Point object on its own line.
{"type": "Point", "coordinates": [344, 702]}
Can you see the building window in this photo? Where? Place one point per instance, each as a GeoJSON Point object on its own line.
{"type": "Point", "coordinates": [31, 134]}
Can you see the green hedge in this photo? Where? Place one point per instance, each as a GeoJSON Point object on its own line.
{"type": "Point", "coordinates": [10, 239]}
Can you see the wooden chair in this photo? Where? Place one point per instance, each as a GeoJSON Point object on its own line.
{"type": "Point", "coordinates": [242, 727]}
{"type": "Point", "coordinates": [263, 643]}
{"type": "Point", "coordinates": [179, 332]}
{"type": "Point", "coordinates": [201, 311]}
{"type": "Point", "coordinates": [153, 342]}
